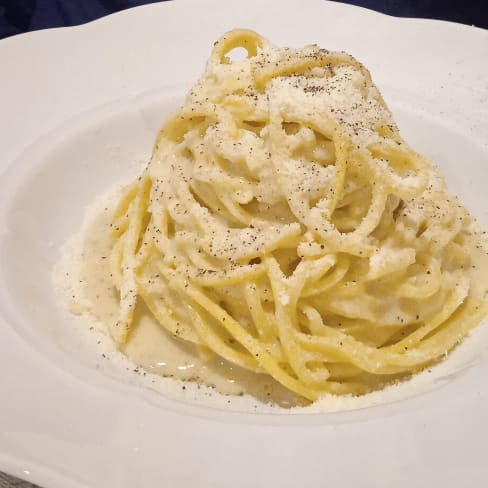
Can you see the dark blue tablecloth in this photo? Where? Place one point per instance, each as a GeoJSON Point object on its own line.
{"type": "Point", "coordinates": [18, 16]}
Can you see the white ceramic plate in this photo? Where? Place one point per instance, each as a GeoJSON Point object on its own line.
{"type": "Point", "coordinates": [79, 108]}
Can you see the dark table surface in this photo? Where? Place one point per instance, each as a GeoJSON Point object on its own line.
{"type": "Point", "coordinates": [17, 16]}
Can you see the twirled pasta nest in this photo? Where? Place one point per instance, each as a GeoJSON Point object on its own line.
{"type": "Point", "coordinates": [283, 224]}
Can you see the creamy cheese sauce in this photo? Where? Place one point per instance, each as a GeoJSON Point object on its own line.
{"type": "Point", "coordinates": [153, 348]}
{"type": "Point", "coordinates": [156, 351]}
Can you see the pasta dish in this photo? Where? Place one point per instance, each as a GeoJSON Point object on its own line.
{"type": "Point", "coordinates": [283, 225]}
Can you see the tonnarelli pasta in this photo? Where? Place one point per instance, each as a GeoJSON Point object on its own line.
{"type": "Point", "coordinates": [283, 224]}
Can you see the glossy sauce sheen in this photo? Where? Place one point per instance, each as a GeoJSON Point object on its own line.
{"type": "Point", "coordinates": [152, 347]}
{"type": "Point", "coordinates": [156, 351]}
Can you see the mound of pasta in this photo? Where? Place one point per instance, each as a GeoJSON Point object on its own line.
{"type": "Point", "coordinates": [284, 225]}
